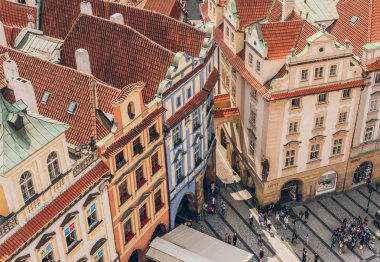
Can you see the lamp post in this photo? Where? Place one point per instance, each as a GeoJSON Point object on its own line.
{"type": "Point", "coordinates": [370, 190]}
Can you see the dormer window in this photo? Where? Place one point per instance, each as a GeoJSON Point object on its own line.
{"type": "Point", "coordinates": [72, 107]}
{"type": "Point", "coordinates": [45, 97]}
{"type": "Point", "coordinates": [354, 20]}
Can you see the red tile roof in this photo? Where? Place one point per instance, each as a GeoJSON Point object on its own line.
{"type": "Point", "coordinates": [252, 11]}
{"type": "Point", "coordinates": [189, 107]}
{"type": "Point", "coordinates": [53, 210]}
{"type": "Point", "coordinates": [15, 14]}
{"type": "Point", "coordinates": [65, 85]}
{"type": "Point", "coordinates": [59, 16]}
{"type": "Point", "coordinates": [11, 32]}
{"type": "Point", "coordinates": [126, 91]}
{"type": "Point", "coordinates": [226, 112]}
{"type": "Point", "coordinates": [204, 11]}
{"type": "Point", "coordinates": [221, 98]}
{"type": "Point", "coordinates": [212, 80]}
{"type": "Point", "coordinates": [3, 83]}
{"type": "Point", "coordinates": [372, 67]}
{"type": "Point", "coordinates": [365, 30]}
{"type": "Point", "coordinates": [119, 55]}
{"type": "Point", "coordinates": [170, 8]}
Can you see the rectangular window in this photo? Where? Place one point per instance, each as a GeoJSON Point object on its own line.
{"type": "Point", "coordinates": [196, 123]}
{"type": "Point", "coordinates": [258, 66]}
{"type": "Point", "coordinates": [342, 117]}
{"type": "Point", "coordinates": [368, 136]}
{"type": "Point", "coordinates": [318, 73]}
{"type": "Point", "coordinates": [178, 172]}
{"type": "Point", "coordinates": [227, 31]}
{"type": "Point", "coordinates": [197, 156]}
{"type": "Point", "coordinates": [252, 117]}
{"type": "Point", "coordinates": [47, 255]}
{"type": "Point", "coordinates": [333, 70]}
{"type": "Point", "coordinates": [250, 59]}
{"type": "Point", "coordinates": [296, 102]}
{"type": "Point", "coordinates": [233, 90]}
{"type": "Point", "coordinates": [290, 158]}
{"type": "Point", "coordinates": [252, 146]}
{"type": "Point", "coordinates": [189, 93]}
{"type": "Point", "coordinates": [155, 164]}
{"type": "Point", "coordinates": [140, 179]}
{"type": "Point", "coordinates": [377, 78]}
{"type": "Point", "coordinates": [178, 104]}
{"type": "Point", "coordinates": [337, 148]}
{"type": "Point", "coordinates": [232, 37]}
{"type": "Point", "coordinates": [137, 147]}
{"type": "Point", "coordinates": [119, 160]}
{"type": "Point", "coordinates": [144, 219]}
{"type": "Point", "coordinates": [91, 216]}
{"type": "Point", "coordinates": [98, 256]}
{"type": "Point", "coordinates": [293, 128]}
{"type": "Point", "coordinates": [176, 136]}
{"type": "Point", "coordinates": [304, 75]}
{"type": "Point", "coordinates": [153, 134]}
{"type": "Point", "coordinates": [319, 122]}
{"type": "Point", "coordinates": [128, 232]}
{"type": "Point", "coordinates": [158, 201]}
{"type": "Point", "coordinates": [346, 93]}
{"type": "Point", "coordinates": [322, 98]}
{"type": "Point", "coordinates": [70, 235]}
{"type": "Point", "coordinates": [314, 152]}
{"type": "Point", "coordinates": [123, 192]}
{"type": "Point", "coordinates": [374, 105]}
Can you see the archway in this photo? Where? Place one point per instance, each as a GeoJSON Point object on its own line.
{"type": "Point", "coordinates": [362, 173]}
{"type": "Point", "coordinates": [186, 210]}
{"type": "Point", "coordinates": [137, 256]}
{"type": "Point", "coordinates": [159, 231]}
{"type": "Point", "coordinates": [291, 191]}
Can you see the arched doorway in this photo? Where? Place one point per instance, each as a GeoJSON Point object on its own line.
{"type": "Point", "coordinates": [159, 231]}
{"type": "Point", "coordinates": [186, 210]}
{"type": "Point", "coordinates": [137, 256]}
{"type": "Point", "coordinates": [291, 191]}
{"type": "Point", "coordinates": [223, 138]}
{"type": "Point", "coordinates": [362, 173]}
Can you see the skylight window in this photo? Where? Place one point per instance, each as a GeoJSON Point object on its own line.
{"type": "Point", "coordinates": [45, 97]}
{"type": "Point", "coordinates": [72, 107]}
{"type": "Point", "coordinates": [354, 20]}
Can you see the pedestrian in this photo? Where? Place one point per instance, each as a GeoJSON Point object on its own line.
{"type": "Point", "coordinates": [286, 221]}
{"type": "Point", "coordinates": [316, 257]}
{"type": "Point", "coordinates": [304, 255]}
{"type": "Point", "coordinates": [226, 238]}
{"type": "Point", "coordinates": [333, 240]}
{"type": "Point", "coordinates": [223, 209]}
{"type": "Point", "coordinates": [261, 254]}
{"type": "Point", "coordinates": [234, 239]}
{"type": "Point", "coordinates": [250, 219]}
{"type": "Point", "coordinates": [260, 241]}
{"type": "Point", "coordinates": [212, 188]}
{"type": "Point", "coordinates": [261, 219]}
{"type": "Point", "coordinates": [300, 214]}
{"type": "Point", "coordinates": [269, 225]}
{"type": "Point", "coordinates": [213, 200]}
{"type": "Point", "coordinates": [265, 219]}
{"type": "Point", "coordinates": [341, 247]}
{"type": "Point", "coordinates": [306, 215]}
{"type": "Point", "coordinates": [294, 237]}
{"type": "Point", "coordinates": [307, 238]}
{"type": "Point", "coordinates": [229, 238]}
{"type": "Point", "coordinates": [278, 217]}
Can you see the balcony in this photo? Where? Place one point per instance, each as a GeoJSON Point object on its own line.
{"type": "Point", "coordinates": [138, 149]}
{"type": "Point", "coordinates": [85, 162]}
{"type": "Point", "coordinates": [153, 136]}
{"type": "Point", "coordinates": [7, 224]}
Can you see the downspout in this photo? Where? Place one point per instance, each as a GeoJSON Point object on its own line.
{"type": "Point", "coordinates": [219, 70]}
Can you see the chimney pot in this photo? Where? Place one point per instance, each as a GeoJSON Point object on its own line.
{"type": "Point", "coordinates": [117, 18]}
{"type": "Point", "coordinates": [86, 8]}
{"type": "Point", "coordinates": [82, 59]}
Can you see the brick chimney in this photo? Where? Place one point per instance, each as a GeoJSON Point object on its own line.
{"type": "Point", "coordinates": [86, 8]}
{"type": "Point", "coordinates": [287, 8]}
{"type": "Point", "coordinates": [3, 39]}
{"type": "Point", "coordinates": [10, 71]}
{"type": "Point", "coordinates": [117, 18]}
{"type": "Point", "coordinates": [82, 59]}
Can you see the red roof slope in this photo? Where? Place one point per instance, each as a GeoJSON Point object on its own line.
{"type": "Point", "coordinates": [167, 7]}
{"type": "Point", "coordinates": [51, 211]}
{"type": "Point", "coordinates": [226, 112]}
{"type": "Point", "coordinates": [372, 67]}
{"type": "Point", "coordinates": [365, 30]}
{"type": "Point", "coordinates": [119, 55]}
{"type": "Point", "coordinates": [252, 11]}
{"type": "Point", "coordinates": [14, 14]}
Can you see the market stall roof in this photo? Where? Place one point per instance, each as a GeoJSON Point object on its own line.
{"type": "Point", "coordinates": [187, 244]}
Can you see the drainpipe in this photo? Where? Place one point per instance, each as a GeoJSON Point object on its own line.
{"type": "Point", "coordinates": [219, 70]}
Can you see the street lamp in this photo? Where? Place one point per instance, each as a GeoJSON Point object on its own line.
{"type": "Point", "coordinates": [370, 190]}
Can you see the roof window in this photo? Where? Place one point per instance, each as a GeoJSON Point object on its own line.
{"type": "Point", "coordinates": [354, 20]}
{"type": "Point", "coordinates": [45, 97]}
{"type": "Point", "coordinates": [72, 107]}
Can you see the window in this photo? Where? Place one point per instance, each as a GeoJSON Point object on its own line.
{"type": "Point", "coordinates": [140, 179]}
{"type": "Point", "coordinates": [153, 134]}
{"type": "Point", "coordinates": [296, 102]}
{"type": "Point", "coordinates": [197, 156]}
{"type": "Point", "coordinates": [333, 70]}
{"type": "Point", "coordinates": [196, 124]}
{"type": "Point", "coordinates": [252, 146]}
{"type": "Point", "coordinates": [227, 31]}
{"type": "Point", "coordinates": [258, 66]}
{"type": "Point", "coordinates": [155, 164]}
{"type": "Point", "coordinates": [337, 148]}
{"type": "Point", "coordinates": [354, 20]}
{"type": "Point", "coordinates": [144, 219]}
{"type": "Point", "coordinates": [314, 152]}
{"type": "Point", "coordinates": [26, 184]}
{"type": "Point", "coordinates": [342, 117]}
{"type": "Point", "coordinates": [45, 97]}
{"type": "Point", "coordinates": [131, 110]}
{"type": "Point", "coordinates": [137, 147]}
{"type": "Point", "coordinates": [176, 136]}
{"type": "Point", "coordinates": [98, 256]}
{"type": "Point", "coordinates": [293, 128]}
{"type": "Point", "coordinates": [318, 73]}
{"type": "Point", "coordinates": [119, 160]}
{"type": "Point", "coordinates": [53, 165]}
{"type": "Point", "coordinates": [374, 105]}
{"type": "Point", "coordinates": [233, 90]}
{"type": "Point", "coordinates": [346, 93]}
{"type": "Point", "coordinates": [252, 117]}
{"type": "Point", "coordinates": [322, 98]}
{"type": "Point", "coordinates": [368, 135]}
{"type": "Point", "coordinates": [304, 75]}
{"type": "Point", "coordinates": [47, 255]}
{"type": "Point", "coordinates": [319, 122]}
{"type": "Point", "coordinates": [290, 158]}
{"type": "Point", "coordinates": [377, 78]}
{"type": "Point", "coordinates": [158, 201]}
{"type": "Point", "coordinates": [189, 93]}
{"type": "Point", "coordinates": [91, 216]}
{"type": "Point", "coordinates": [70, 236]}
{"type": "Point", "coordinates": [178, 101]}
{"type": "Point", "coordinates": [72, 107]}
{"type": "Point", "coordinates": [178, 172]}
{"type": "Point", "coordinates": [250, 59]}
{"type": "Point", "coordinates": [232, 37]}
{"type": "Point", "coordinates": [128, 232]}
{"type": "Point", "coordinates": [123, 192]}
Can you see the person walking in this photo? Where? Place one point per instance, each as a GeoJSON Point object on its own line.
{"type": "Point", "coordinates": [304, 255]}
{"type": "Point", "coordinates": [229, 238]}
{"type": "Point", "coordinates": [260, 241]}
{"type": "Point", "coordinates": [286, 222]}
{"type": "Point", "coordinates": [213, 200]}
{"type": "Point", "coordinates": [261, 219]}
{"type": "Point", "coordinates": [316, 257]}
{"type": "Point", "coordinates": [223, 209]}
{"type": "Point", "coordinates": [307, 238]}
{"type": "Point", "coordinates": [265, 219]}
{"type": "Point", "coordinates": [269, 225]}
{"type": "Point", "coordinates": [250, 219]}
{"type": "Point", "coordinates": [278, 217]}
{"type": "Point", "coordinates": [261, 254]}
{"type": "Point", "coordinates": [226, 238]}
{"type": "Point", "coordinates": [306, 215]}
{"type": "Point", "coordinates": [234, 239]}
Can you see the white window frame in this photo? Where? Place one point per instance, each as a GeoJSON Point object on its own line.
{"type": "Point", "coordinates": [258, 66]}
{"type": "Point", "coordinates": [337, 146]}
{"type": "Point", "coordinates": [368, 133]}
{"type": "Point", "coordinates": [53, 165]}
{"type": "Point", "coordinates": [293, 128]}
{"type": "Point", "coordinates": [314, 151]}
{"type": "Point", "coordinates": [374, 105]}
{"type": "Point", "coordinates": [318, 72]}
{"type": "Point", "coordinates": [178, 169]}
{"type": "Point", "coordinates": [319, 122]}
{"type": "Point", "coordinates": [342, 117]}
{"type": "Point", "coordinates": [27, 186]}
{"type": "Point", "coordinates": [304, 75]}
{"type": "Point", "coordinates": [250, 59]}
{"type": "Point", "coordinates": [92, 210]}
{"type": "Point", "coordinates": [333, 70]}
{"type": "Point", "coordinates": [290, 158]}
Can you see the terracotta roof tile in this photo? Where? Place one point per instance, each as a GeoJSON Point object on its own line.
{"type": "Point", "coordinates": [276, 12]}
{"type": "Point", "coordinates": [212, 80]}
{"type": "Point", "coordinates": [126, 91]}
{"type": "Point", "coordinates": [221, 98]}
{"type": "Point", "coordinates": [170, 8]}
{"type": "Point", "coordinates": [11, 32]}
{"type": "Point", "coordinates": [119, 55]}
{"type": "Point", "coordinates": [226, 112]}
{"type": "Point", "coordinates": [15, 14]}
{"type": "Point", "coordinates": [10, 246]}
{"type": "Point", "coordinates": [307, 31]}
{"type": "Point", "coordinates": [204, 11]}
{"type": "Point", "coordinates": [105, 95]}
{"type": "Point", "coordinates": [372, 67]}
{"type": "Point", "coordinates": [3, 83]}
{"type": "Point", "coordinates": [252, 11]}
{"type": "Point", "coordinates": [189, 107]}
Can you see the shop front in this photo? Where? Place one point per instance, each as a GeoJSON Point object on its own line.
{"type": "Point", "coordinates": [326, 183]}
{"type": "Point", "coordinates": [362, 173]}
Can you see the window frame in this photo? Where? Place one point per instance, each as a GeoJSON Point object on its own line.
{"type": "Point", "coordinates": [377, 79]}
{"type": "Point", "coordinates": [258, 66]}
{"type": "Point", "coordinates": [122, 163]}
{"type": "Point", "coordinates": [333, 70]}
{"type": "Point", "coordinates": [314, 152]}
{"type": "Point", "coordinates": [52, 163]}
{"type": "Point", "coordinates": [295, 106]}
{"type": "Point", "coordinates": [342, 117]}
{"type": "Point", "coordinates": [345, 95]}
{"type": "Point", "coordinates": [125, 196]}
{"type": "Point", "coordinates": [337, 146]}
{"type": "Point", "coordinates": [318, 73]}
{"type": "Point", "coordinates": [159, 206]}
{"type": "Point", "coordinates": [27, 186]}
{"type": "Point", "coordinates": [290, 158]}
{"type": "Point", "coordinates": [322, 101]}
{"type": "Point", "coordinates": [90, 213]}
{"type": "Point", "coordinates": [75, 238]}
{"type": "Point", "coordinates": [318, 123]}
{"type": "Point", "coordinates": [376, 108]}
{"type": "Point", "coordinates": [293, 128]}
{"type": "Point", "coordinates": [368, 133]}
{"type": "Point", "coordinates": [304, 75]}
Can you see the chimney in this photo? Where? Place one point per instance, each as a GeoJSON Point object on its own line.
{"type": "Point", "coordinates": [86, 8]}
{"type": "Point", "coordinates": [23, 89]}
{"type": "Point", "coordinates": [117, 18]}
{"type": "Point", "coordinates": [31, 23]}
{"type": "Point", "coordinates": [83, 61]}
{"type": "Point", "coordinates": [3, 39]}
{"type": "Point", "coordinates": [287, 7]}
{"type": "Point", "coordinates": [10, 71]}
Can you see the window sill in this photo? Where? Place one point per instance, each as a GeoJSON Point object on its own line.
{"type": "Point", "coordinates": [289, 167]}
{"type": "Point", "coordinates": [336, 156]}
{"type": "Point", "coordinates": [345, 98]}
{"type": "Point", "coordinates": [92, 228]}
{"type": "Point", "coordinates": [312, 161]}
{"type": "Point", "coordinates": [304, 80]}
{"type": "Point", "coordinates": [73, 246]}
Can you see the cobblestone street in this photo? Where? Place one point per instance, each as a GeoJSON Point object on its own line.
{"type": "Point", "coordinates": [326, 214]}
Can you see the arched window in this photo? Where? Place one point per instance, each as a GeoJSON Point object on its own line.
{"type": "Point", "coordinates": [26, 184]}
{"type": "Point", "coordinates": [53, 165]}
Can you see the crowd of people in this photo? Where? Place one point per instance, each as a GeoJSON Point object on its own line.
{"type": "Point", "coordinates": [352, 233]}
